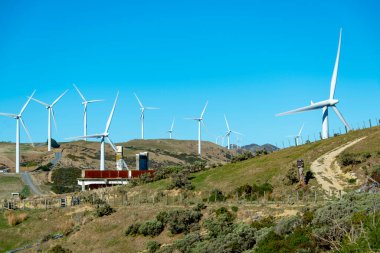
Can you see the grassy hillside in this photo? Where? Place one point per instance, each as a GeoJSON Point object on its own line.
{"type": "Point", "coordinates": [9, 184]}
{"type": "Point", "coordinates": [273, 167]}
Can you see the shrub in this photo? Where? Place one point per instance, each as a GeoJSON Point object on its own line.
{"type": "Point", "coordinates": [153, 246]}
{"type": "Point", "coordinates": [180, 180]}
{"type": "Point", "coordinates": [65, 180]}
{"type": "Point", "coordinates": [291, 176]}
{"type": "Point", "coordinates": [59, 249]}
{"type": "Point", "coordinates": [266, 222]}
{"type": "Point", "coordinates": [234, 209]}
{"type": "Point", "coordinates": [182, 220]}
{"type": "Point", "coordinates": [104, 210]}
{"type": "Point", "coordinates": [151, 228]}
{"type": "Point", "coordinates": [242, 157]}
{"type": "Point", "coordinates": [46, 167]}
{"type": "Point", "coordinates": [188, 242]}
{"type": "Point", "coordinates": [351, 180]}
{"type": "Point", "coordinates": [308, 176]}
{"type": "Point", "coordinates": [199, 207]}
{"type": "Point", "coordinates": [54, 143]}
{"type": "Point", "coordinates": [133, 229]}
{"type": "Point", "coordinates": [15, 219]}
{"type": "Point", "coordinates": [346, 159]}
{"type": "Point", "coordinates": [216, 196]}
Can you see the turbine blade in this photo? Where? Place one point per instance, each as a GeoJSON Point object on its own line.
{"type": "Point", "coordinates": [53, 116]}
{"type": "Point", "coordinates": [80, 93]}
{"type": "Point", "coordinates": [192, 118]}
{"type": "Point", "coordinates": [171, 129]}
{"type": "Point", "coordinates": [299, 133]}
{"type": "Point", "coordinates": [341, 117]}
{"type": "Point", "coordinates": [302, 109]}
{"type": "Point", "coordinates": [336, 66]}
{"type": "Point", "coordinates": [151, 108]}
{"type": "Point", "coordinates": [228, 126]}
{"type": "Point", "coordinates": [97, 136]}
{"type": "Point", "coordinates": [26, 131]}
{"type": "Point", "coordinates": [111, 143]}
{"type": "Point", "coordinates": [95, 101]}
{"type": "Point", "coordinates": [138, 100]}
{"type": "Point", "coordinates": [237, 133]}
{"type": "Point", "coordinates": [8, 115]}
{"type": "Point", "coordinates": [40, 102]}
{"type": "Point", "coordinates": [111, 114]}
{"type": "Point", "coordinates": [55, 101]}
{"type": "Point", "coordinates": [27, 102]}
{"type": "Point", "coordinates": [204, 109]}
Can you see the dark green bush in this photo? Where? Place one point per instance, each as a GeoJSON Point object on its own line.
{"type": "Point", "coordinates": [65, 180]}
{"type": "Point", "coordinates": [216, 196]}
{"type": "Point", "coordinates": [46, 167]}
{"type": "Point", "coordinates": [133, 229]}
{"type": "Point", "coordinates": [242, 157]}
{"type": "Point", "coordinates": [234, 209]}
{"type": "Point", "coordinates": [346, 159]}
{"type": "Point", "coordinates": [153, 246]}
{"type": "Point", "coordinates": [59, 249]}
{"type": "Point", "coordinates": [199, 207]}
{"type": "Point", "coordinates": [151, 228]}
{"type": "Point", "coordinates": [54, 143]}
{"type": "Point", "coordinates": [266, 222]}
{"type": "Point", "coordinates": [180, 180]}
{"type": "Point", "coordinates": [291, 176]}
{"type": "Point", "coordinates": [180, 221]}
{"type": "Point", "coordinates": [104, 210]}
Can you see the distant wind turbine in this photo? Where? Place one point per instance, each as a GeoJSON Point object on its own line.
{"type": "Point", "coordinates": [103, 136]}
{"type": "Point", "coordinates": [229, 131]}
{"type": "Point", "coordinates": [142, 109]}
{"type": "Point", "coordinates": [85, 103]}
{"type": "Point", "coordinates": [18, 118]}
{"type": "Point", "coordinates": [171, 129]}
{"type": "Point", "coordinates": [324, 105]}
{"type": "Point", "coordinates": [298, 136]}
{"type": "Point", "coordinates": [50, 115]}
{"type": "Point", "coordinates": [200, 120]}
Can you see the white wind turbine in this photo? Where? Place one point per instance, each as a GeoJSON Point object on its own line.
{"type": "Point", "coordinates": [85, 103]}
{"type": "Point", "coordinates": [229, 131]}
{"type": "Point", "coordinates": [171, 129]}
{"type": "Point", "coordinates": [18, 118]}
{"type": "Point", "coordinates": [142, 109]}
{"type": "Point", "coordinates": [324, 105]}
{"type": "Point", "coordinates": [298, 136]}
{"type": "Point", "coordinates": [200, 119]}
{"type": "Point", "coordinates": [50, 115]}
{"type": "Point", "coordinates": [103, 136]}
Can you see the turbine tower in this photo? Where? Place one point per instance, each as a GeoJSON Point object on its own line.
{"type": "Point", "coordinates": [85, 103]}
{"type": "Point", "coordinates": [50, 115]}
{"type": "Point", "coordinates": [103, 136]}
{"type": "Point", "coordinates": [18, 118]}
{"type": "Point", "coordinates": [142, 109]}
{"type": "Point", "coordinates": [330, 102]}
{"type": "Point", "coordinates": [200, 120]}
{"type": "Point", "coordinates": [229, 131]}
{"type": "Point", "coordinates": [171, 129]}
{"type": "Point", "coordinates": [298, 136]}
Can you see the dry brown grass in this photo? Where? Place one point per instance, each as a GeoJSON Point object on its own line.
{"type": "Point", "coordinates": [15, 219]}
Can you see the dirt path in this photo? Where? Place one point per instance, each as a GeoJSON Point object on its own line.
{"type": "Point", "coordinates": [327, 171]}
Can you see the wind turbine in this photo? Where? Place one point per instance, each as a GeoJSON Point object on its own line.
{"type": "Point", "coordinates": [85, 103]}
{"type": "Point", "coordinates": [50, 115]}
{"type": "Point", "coordinates": [200, 119]}
{"type": "Point", "coordinates": [229, 131]}
{"type": "Point", "coordinates": [103, 136]}
{"type": "Point", "coordinates": [142, 109]}
{"type": "Point", "coordinates": [298, 136]}
{"type": "Point", "coordinates": [324, 105]}
{"type": "Point", "coordinates": [171, 129]}
{"type": "Point", "coordinates": [18, 118]}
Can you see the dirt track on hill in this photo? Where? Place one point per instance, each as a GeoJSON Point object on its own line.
{"type": "Point", "coordinates": [327, 171]}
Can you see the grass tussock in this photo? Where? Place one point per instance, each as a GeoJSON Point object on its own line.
{"type": "Point", "coordinates": [14, 218]}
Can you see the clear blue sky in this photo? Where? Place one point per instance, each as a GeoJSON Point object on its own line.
{"type": "Point", "coordinates": [250, 59]}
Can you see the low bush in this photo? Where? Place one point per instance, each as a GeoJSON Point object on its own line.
{"type": "Point", "coordinates": [59, 249]}
{"type": "Point", "coordinates": [153, 246]}
{"type": "Point", "coordinates": [133, 229]}
{"type": "Point", "coordinates": [242, 157]}
{"type": "Point", "coordinates": [65, 180]}
{"type": "Point", "coordinates": [14, 219]}
{"type": "Point", "coordinates": [265, 222]}
{"type": "Point", "coordinates": [216, 196]}
{"type": "Point", "coordinates": [151, 228]}
{"type": "Point", "coordinates": [104, 210]}
{"type": "Point", "coordinates": [46, 167]}
{"type": "Point", "coordinates": [346, 159]}
{"type": "Point", "coordinates": [180, 180]}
